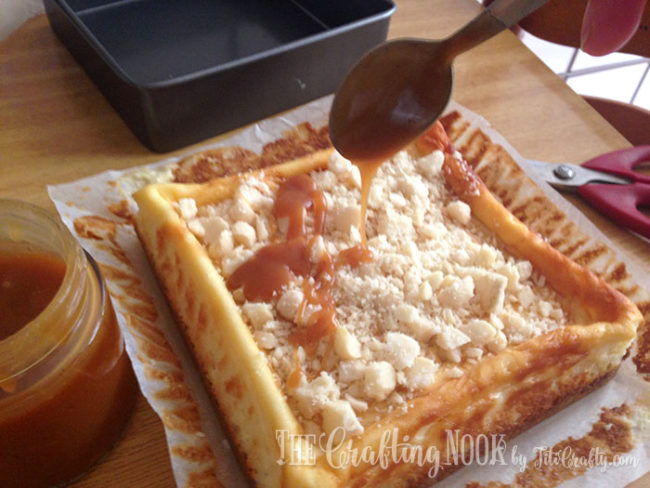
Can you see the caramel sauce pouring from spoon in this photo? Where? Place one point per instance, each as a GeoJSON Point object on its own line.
{"type": "Point", "coordinates": [401, 87]}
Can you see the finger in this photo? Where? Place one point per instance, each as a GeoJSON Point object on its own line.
{"type": "Point", "coordinates": [609, 24]}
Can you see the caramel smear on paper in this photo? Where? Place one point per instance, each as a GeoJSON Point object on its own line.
{"type": "Point", "coordinates": [121, 209]}
{"type": "Point", "coordinates": [609, 437]}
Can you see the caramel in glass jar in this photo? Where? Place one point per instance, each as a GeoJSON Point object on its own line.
{"type": "Point", "coordinates": [66, 384]}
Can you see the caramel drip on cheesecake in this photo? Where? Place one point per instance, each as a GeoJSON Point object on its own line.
{"type": "Point", "coordinates": [275, 266]}
{"type": "Point", "coordinates": [295, 196]}
{"type": "Point", "coordinates": [354, 256]}
{"type": "Point", "coordinates": [367, 168]}
{"type": "Point", "coordinates": [271, 269]}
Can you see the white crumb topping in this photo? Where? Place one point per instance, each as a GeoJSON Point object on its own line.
{"type": "Point", "coordinates": [346, 345]}
{"type": "Point", "coordinates": [312, 396]}
{"type": "Point", "coordinates": [339, 419]}
{"type": "Point", "coordinates": [187, 208]}
{"type": "Point", "coordinates": [459, 211]}
{"type": "Point", "coordinates": [438, 293]}
{"type": "Point", "coordinates": [379, 380]}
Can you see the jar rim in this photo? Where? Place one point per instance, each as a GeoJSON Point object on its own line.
{"type": "Point", "coordinates": [38, 338]}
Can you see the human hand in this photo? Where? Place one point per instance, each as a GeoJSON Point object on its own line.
{"type": "Point", "coordinates": [608, 24]}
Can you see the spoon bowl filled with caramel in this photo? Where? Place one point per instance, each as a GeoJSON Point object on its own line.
{"type": "Point", "coordinates": [401, 87]}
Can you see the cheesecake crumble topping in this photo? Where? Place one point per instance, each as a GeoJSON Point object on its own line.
{"type": "Point", "coordinates": [433, 292]}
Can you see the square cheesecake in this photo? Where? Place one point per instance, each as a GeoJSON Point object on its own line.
{"type": "Point", "coordinates": [318, 340]}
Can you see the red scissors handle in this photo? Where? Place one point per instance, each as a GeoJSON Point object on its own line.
{"type": "Point", "coordinates": [621, 203]}
{"type": "Point", "coordinates": [622, 163]}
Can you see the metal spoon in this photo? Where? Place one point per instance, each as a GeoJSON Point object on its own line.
{"type": "Point", "coordinates": [401, 87]}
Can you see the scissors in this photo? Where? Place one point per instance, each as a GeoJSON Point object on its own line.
{"type": "Point", "coordinates": [609, 183]}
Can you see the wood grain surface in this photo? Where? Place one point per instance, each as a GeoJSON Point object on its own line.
{"type": "Point", "coordinates": [55, 126]}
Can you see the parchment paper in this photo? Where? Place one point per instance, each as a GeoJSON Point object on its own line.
{"type": "Point", "coordinates": [199, 452]}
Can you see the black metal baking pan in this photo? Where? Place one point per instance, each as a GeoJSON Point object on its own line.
{"type": "Point", "coordinates": [181, 71]}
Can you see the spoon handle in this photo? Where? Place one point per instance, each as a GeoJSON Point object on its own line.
{"type": "Point", "coordinates": [509, 12]}
{"type": "Point", "coordinates": [500, 15]}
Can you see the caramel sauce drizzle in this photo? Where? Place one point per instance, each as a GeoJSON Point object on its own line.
{"type": "Point", "coordinates": [293, 381]}
{"type": "Point", "coordinates": [276, 265]}
{"type": "Point", "coordinates": [354, 256]}
{"type": "Point", "coordinates": [297, 195]}
{"type": "Point", "coordinates": [271, 268]}
{"type": "Point", "coordinates": [367, 169]}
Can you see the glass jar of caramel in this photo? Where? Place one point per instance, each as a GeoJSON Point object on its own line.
{"type": "Point", "coordinates": [66, 385]}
